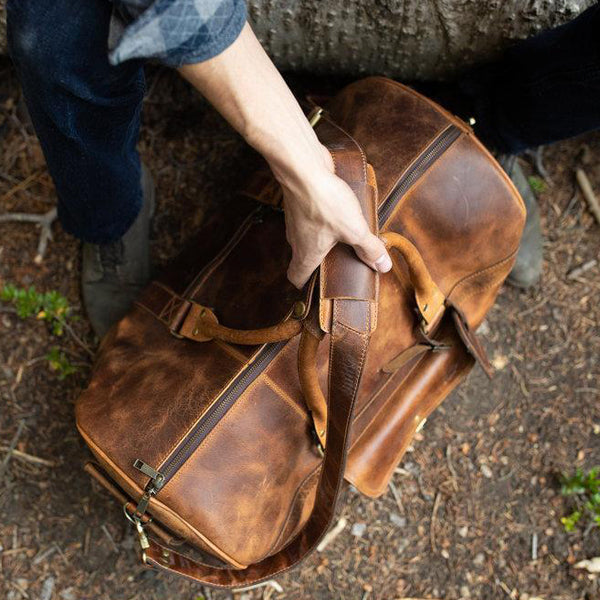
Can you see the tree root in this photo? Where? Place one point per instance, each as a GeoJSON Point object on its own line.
{"type": "Point", "coordinates": [44, 221]}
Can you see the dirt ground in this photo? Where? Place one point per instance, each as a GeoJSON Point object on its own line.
{"type": "Point", "coordinates": [477, 489]}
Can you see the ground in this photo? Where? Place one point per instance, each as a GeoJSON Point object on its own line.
{"type": "Point", "coordinates": [479, 485]}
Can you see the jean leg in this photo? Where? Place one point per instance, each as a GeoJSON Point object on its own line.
{"type": "Point", "coordinates": [85, 111]}
{"type": "Point", "coordinates": [543, 89]}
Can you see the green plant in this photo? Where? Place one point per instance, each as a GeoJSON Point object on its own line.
{"type": "Point", "coordinates": [60, 363]}
{"type": "Point", "coordinates": [584, 488]}
{"type": "Point", "coordinates": [537, 185]}
{"type": "Point", "coordinates": [51, 306]}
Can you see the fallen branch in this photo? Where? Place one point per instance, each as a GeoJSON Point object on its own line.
{"type": "Point", "coordinates": [588, 193]}
{"type": "Point", "coordinates": [44, 221]}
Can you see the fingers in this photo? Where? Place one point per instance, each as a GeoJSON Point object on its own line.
{"type": "Point", "coordinates": [300, 270]}
{"type": "Point", "coordinates": [371, 250]}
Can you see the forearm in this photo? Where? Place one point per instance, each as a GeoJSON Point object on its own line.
{"type": "Point", "coordinates": [245, 87]}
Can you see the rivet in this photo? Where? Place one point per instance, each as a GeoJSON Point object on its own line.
{"type": "Point", "coordinates": [195, 331]}
{"type": "Point", "coordinates": [299, 308]}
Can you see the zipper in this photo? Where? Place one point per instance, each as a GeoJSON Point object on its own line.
{"type": "Point", "coordinates": [416, 170]}
{"type": "Point", "coordinates": [218, 409]}
{"type": "Point", "coordinates": [207, 422]}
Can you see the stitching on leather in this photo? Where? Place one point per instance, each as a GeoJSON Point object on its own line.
{"type": "Point", "coordinates": [290, 510]}
{"type": "Point", "coordinates": [495, 282]}
{"type": "Point", "coordinates": [285, 396]}
{"type": "Point", "coordinates": [496, 265]}
{"type": "Point", "coordinates": [230, 350]}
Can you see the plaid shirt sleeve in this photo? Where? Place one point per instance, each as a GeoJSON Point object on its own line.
{"type": "Point", "coordinates": [173, 32]}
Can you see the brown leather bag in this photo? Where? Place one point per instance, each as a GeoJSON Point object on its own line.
{"type": "Point", "coordinates": [211, 402]}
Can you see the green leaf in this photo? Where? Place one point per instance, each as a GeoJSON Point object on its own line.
{"type": "Point", "coordinates": [570, 521]}
{"type": "Point", "coordinates": [537, 185]}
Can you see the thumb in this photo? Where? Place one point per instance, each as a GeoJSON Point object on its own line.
{"type": "Point", "coordinates": [372, 251]}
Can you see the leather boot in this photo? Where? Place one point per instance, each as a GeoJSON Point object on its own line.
{"type": "Point", "coordinates": [528, 266]}
{"type": "Point", "coordinates": [113, 274]}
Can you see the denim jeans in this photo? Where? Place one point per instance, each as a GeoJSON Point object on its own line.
{"type": "Point", "coordinates": [87, 112]}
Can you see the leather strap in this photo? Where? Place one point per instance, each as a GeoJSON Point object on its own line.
{"type": "Point", "coordinates": [351, 325]}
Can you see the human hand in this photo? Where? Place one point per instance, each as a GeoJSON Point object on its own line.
{"type": "Point", "coordinates": [320, 211]}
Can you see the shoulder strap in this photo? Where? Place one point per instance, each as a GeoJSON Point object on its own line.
{"type": "Point", "coordinates": [351, 318]}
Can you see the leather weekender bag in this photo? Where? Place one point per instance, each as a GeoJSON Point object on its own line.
{"type": "Point", "coordinates": [226, 409]}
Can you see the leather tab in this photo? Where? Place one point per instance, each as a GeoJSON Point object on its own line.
{"type": "Point", "coordinates": [471, 341]}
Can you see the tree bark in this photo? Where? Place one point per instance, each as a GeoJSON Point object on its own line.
{"type": "Point", "coordinates": [408, 39]}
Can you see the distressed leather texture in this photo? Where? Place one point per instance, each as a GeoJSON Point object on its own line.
{"type": "Point", "coordinates": [229, 381]}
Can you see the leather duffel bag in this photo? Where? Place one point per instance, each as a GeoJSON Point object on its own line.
{"type": "Point", "coordinates": [227, 408]}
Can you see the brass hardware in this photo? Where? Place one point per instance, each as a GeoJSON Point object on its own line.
{"type": "Point", "coordinates": [165, 555]}
{"type": "Point", "coordinates": [315, 115]}
{"type": "Point", "coordinates": [196, 329]}
{"type": "Point", "coordinates": [144, 543]}
{"type": "Point", "coordinates": [320, 450]}
{"type": "Point", "coordinates": [299, 308]}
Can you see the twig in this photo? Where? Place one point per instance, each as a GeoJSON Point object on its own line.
{"type": "Point", "coordinates": [44, 221]}
{"type": "Point", "coordinates": [30, 458]}
{"type": "Point", "coordinates": [436, 504]}
{"type": "Point", "coordinates": [534, 546]}
{"type": "Point", "coordinates": [110, 538]}
{"type": "Point", "coordinates": [20, 186]}
{"type": "Point", "coordinates": [586, 266]}
{"type": "Point", "coordinates": [332, 534]}
{"type": "Point", "coordinates": [451, 467]}
{"type": "Point", "coordinates": [11, 448]}
{"type": "Point", "coordinates": [76, 338]}
{"type": "Point", "coordinates": [397, 496]}
{"type": "Point", "coordinates": [588, 193]}
{"type": "Point", "coordinates": [270, 582]}
{"type": "Point", "coordinates": [43, 555]}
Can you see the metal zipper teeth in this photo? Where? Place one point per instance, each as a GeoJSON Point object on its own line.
{"type": "Point", "coordinates": [219, 408]}
{"type": "Point", "coordinates": [417, 169]}
{"type": "Point", "coordinates": [243, 380]}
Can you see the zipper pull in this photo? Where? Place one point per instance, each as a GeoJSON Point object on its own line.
{"type": "Point", "coordinates": [157, 479]}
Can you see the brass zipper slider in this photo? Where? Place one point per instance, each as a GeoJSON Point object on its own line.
{"type": "Point", "coordinates": [157, 480]}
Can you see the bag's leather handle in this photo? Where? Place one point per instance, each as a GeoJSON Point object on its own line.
{"type": "Point", "coordinates": [201, 325]}
{"type": "Point", "coordinates": [430, 299]}
{"type": "Point", "coordinates": [351, 325]}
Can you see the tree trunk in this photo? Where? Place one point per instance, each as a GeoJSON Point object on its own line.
{"type": "Point", "coordinates": [409, 39]}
